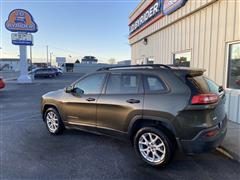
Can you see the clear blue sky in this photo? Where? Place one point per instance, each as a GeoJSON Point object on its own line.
{"type": "Point", "coordinates": [75, 28]}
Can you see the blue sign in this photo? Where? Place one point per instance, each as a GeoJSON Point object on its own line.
{"type": "Point", "coordinates": [22, 39]}
{"type": "Point", "coordinates": [169, 6]}
{"type": "Point", "coordinates": [20, 20]}
{"type": "Point", "coordinates": [19, 42]}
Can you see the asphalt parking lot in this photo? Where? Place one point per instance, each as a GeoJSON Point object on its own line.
{"type": "Point", "coordinates": [28, 151]}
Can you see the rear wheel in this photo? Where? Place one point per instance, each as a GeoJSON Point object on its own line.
{"type": "Point", "coordinates": [53, 121]}
{"type": "Point", "coordinates": [153, 146]}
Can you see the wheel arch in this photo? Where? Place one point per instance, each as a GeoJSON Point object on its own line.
{"type": "Point", "coordinates": [47, 106]}
{"type": "Point", "coordinates": [161, 123]}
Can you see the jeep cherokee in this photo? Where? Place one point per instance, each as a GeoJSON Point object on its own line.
{"type": "Point", "coordinates": [157, 107]}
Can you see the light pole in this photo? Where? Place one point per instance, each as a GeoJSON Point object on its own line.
{"type": "Point", "coordinates": [31, 64]}
{"type": "Point", "coordinates": [51, 54]}
{"type": "Point", "coordinates": [47, 56]}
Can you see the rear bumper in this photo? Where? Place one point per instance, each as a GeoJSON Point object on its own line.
{"type": "Point", "coordinates": [201, 143]}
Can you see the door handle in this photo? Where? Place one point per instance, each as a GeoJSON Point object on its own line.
{"type": "Point", "coordinates": [90, 99]}
{"type": "Point", "coordinates": [133, 101]}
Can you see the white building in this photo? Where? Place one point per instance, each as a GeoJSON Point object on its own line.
{"type": "Point", "coordinates": [195, 33]}
{"type": "Point", "coordinates": [11, 64]}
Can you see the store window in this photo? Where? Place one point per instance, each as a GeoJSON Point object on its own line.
{"type": "Point", "coordinates": [234, 66]}
{"type": "Point", "coordinates": [182, 59]}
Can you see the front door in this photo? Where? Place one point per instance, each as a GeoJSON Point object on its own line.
{"type": "Point", "coordinates": [80, 105]}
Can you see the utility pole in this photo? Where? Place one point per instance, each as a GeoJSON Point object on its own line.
{"type": "Point", "coordinates": [51, 58]}
{"type": "Point", "coordinates": [31, 64]}
{"type": "Point", "coordinates": [47, 57]}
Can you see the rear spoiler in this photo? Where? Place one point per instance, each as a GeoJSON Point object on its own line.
{"type": "Point", "coordinates": [197, 72]}
{"type": "Point", "coordinates": [188, 72]}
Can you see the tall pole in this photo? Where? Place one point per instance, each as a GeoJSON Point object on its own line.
{"type": "Point", "coordinates": [31, 64]}
{"type": "Point", "coordinates": [50, 58]}
{"type": "Point", "coordinates": [24, 77]}
{"type": "Point", "coordinates": [47, 56]}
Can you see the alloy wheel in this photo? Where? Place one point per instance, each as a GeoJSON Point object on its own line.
{"type": "Point", "coordinates": [52, 121]}
{"type": "Point", "coordinates": [152, 147]}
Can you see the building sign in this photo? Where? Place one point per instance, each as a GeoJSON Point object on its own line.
{"type": "Point", "coordinates": [156, 9]}
{"type": "Point", "coordinates": [22, 39]}
{"type": "Point", "coordinates": [60, 60]}
{"type": "Point", "coordinates": [169, 6]}
{"type": "Point", "coordinates": [147, 15]}
{"type": "Point", "coordinates": [20, 20]}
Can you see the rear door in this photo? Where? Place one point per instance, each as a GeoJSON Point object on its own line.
{"type": "Point", "coordinates": [160, 102]}
{"type": "Point", "coordinates": [121, 102]}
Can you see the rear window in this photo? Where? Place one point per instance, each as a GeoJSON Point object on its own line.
{"type": "Point", "coordinates": [201, 84]}
{"type": "Point", "coordinates": [153, 84]}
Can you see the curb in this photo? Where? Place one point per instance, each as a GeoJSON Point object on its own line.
{"type": "Point", "coordinates": [10, 79]}
{"type": "Point", "coordinates": [230, 154]}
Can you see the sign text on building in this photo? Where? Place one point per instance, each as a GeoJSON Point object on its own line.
{"type": "Point", "coordinates": [155, 9]}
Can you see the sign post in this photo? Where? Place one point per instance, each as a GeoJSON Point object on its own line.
{"type": "Point", "coordinates": [21, 22]}
{"type": "Point", "coordinates": [24, 77]}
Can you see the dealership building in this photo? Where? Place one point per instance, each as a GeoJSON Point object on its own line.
{"type": "Point", "coordinates": [196, 33]}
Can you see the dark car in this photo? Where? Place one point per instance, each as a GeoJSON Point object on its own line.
{"type": "Point", "coordinates": [157, 107]}
{"type": "Point", "coordinates": [45, 72]}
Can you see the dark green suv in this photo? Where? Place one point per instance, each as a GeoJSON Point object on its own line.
{"type": "Point", "coordinates": [158, 107]}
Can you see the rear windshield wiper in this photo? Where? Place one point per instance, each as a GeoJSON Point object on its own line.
{"type": "Point", "coordinates": [220, 89]}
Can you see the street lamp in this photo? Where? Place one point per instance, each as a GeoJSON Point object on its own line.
{"type": "Point", "coordinates": [51, 54]}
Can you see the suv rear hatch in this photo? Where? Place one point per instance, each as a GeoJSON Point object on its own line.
{"type": "Point", "coordinates": [206, 103]}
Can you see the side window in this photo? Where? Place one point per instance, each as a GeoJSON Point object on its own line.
{"type": "Point", "coordinates": [154, 84]}
{"type": "Point", "coordinates": [123, 84]}
{"type": "Point", "coordinates": [92, 84]}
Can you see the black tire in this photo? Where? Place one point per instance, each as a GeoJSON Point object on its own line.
{"type": "Point", "coordinates": [60, 128]}
{"type": "Point", "coordinates": [164, 138]}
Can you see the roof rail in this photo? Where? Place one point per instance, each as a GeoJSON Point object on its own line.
{"type": "Point", "coordinates": [135, 66]}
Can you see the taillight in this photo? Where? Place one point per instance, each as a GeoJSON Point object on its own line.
{"type": "Point", "coordinates": [212, 133]}
{"type": "Point", "coordinates": [205, 99]}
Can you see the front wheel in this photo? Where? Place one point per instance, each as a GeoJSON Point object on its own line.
{"type": "Point", "coordinates": [153, 146]}
{"type": "Point", "coordinates": [53, 121]}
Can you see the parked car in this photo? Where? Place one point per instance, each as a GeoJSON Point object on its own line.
{"type": "Point", "coordinates": [45, 72]}
{"type": "Point", "coordinates": [2, 83]}
{"type": "Point", "coordinates": [157, 107]}
{"type": "Point", "coordinates": [58, 71]}
{"type": "Point", "coordinates": [33, 70]}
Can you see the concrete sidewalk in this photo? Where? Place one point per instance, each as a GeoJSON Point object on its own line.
{"type": "Point", "coordinates": [231, 142]}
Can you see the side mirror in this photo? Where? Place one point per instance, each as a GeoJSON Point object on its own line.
{"type": "Point", "coordinates": [78, 91]}
{"type": "Point", "coordinates": [69, 89]}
